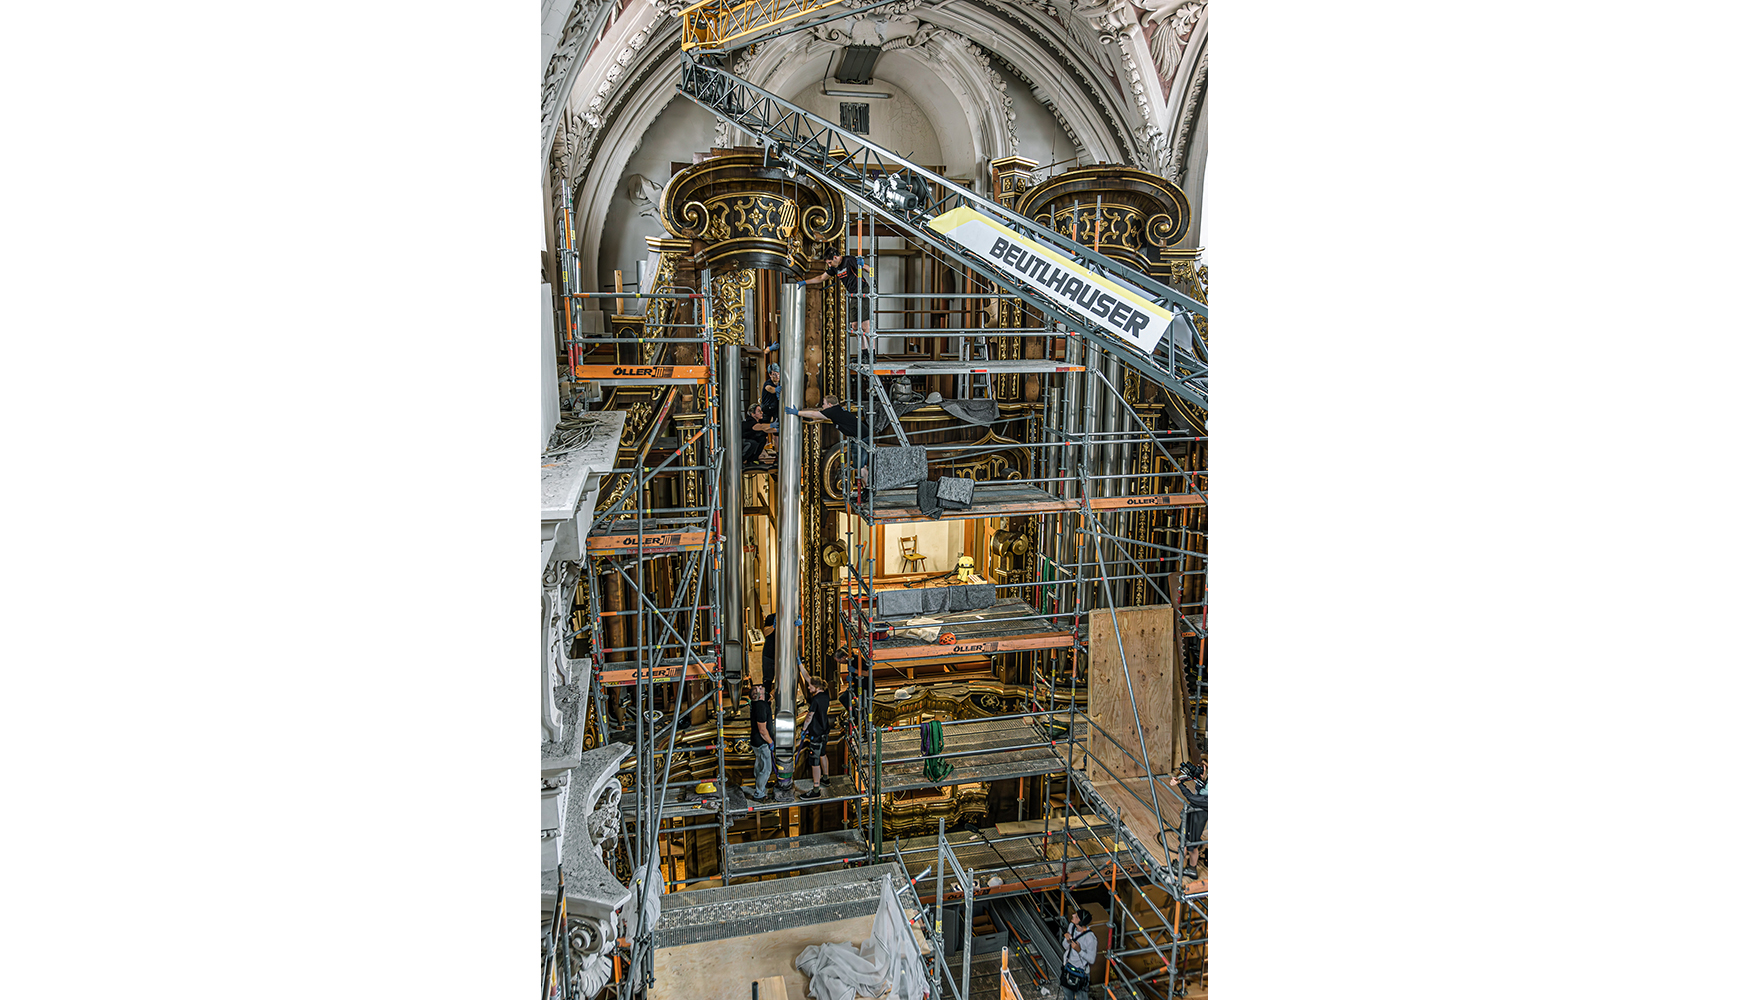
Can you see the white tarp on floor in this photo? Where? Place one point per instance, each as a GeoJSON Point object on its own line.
{"type": "Point", "coordinates": [887, 965]}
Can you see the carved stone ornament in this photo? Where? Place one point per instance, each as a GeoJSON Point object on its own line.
{"type": "Point", "coordinates": [1171, 23]}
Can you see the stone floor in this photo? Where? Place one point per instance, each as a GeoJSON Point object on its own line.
{"type": "Point", "coordinates": [725, 968]}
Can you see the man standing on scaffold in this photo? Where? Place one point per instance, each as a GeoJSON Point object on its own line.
{"type": "Point", "coordinates": [850, 271]}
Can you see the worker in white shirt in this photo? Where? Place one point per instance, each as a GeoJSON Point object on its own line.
{"type": "Point", "coordinates": [1079, 947]}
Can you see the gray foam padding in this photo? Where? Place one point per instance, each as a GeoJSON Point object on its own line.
{"type": "Point", "coordinates": [971, 596]}
{"type": "Point", "coordinates": [912, 603]}
{"type": "Point", "coordinates": [954, 489]}
{"type": "Point", "coordinates": [973, 411]}
{"type": "Point", "coordinates": [892, 468]}
{"type": "Point", "coordinates": [897, 604]}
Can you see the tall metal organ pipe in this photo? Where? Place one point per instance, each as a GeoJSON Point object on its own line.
{"type": "Point", "coordinates": [734, 656]}
{"type": "Point", "coordinates": [789, 554]}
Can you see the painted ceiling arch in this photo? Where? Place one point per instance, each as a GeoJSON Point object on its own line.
{"type": "Point", "coordinates": [1122, 80]}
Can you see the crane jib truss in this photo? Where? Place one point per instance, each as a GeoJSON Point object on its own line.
{"type": "Point", "coordinates": [824, 151]}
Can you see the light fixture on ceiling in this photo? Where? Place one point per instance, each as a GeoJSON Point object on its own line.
{"type": "Point", "coordinates": [880, 95]}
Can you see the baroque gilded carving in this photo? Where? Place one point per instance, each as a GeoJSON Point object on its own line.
{"type": "Point", "coordinates": [728, 319]}
{"type": "Point", "coordinates": [638, 417]}
{"type": "Point", "coordinates": [749, 214]}
{"type": "Point", "coordinates": [1133, 215]}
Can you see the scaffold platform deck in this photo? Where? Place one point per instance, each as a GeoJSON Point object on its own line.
{"type": "Point", "coordinates": [1003, 499]}
{"type": "Point", "coordinates": [791, 853]}
{"type": "Point", "coordinates": [1020, 865]}
{"type": "Point", "coordinates": [972, 739]}
{"type": "Point", "coordinates": [1025, 366]}
{"type": "Point", "coordinates": [1007, 626]}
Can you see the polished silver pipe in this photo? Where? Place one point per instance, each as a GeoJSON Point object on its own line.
{"type": "Point", "coordinates": [789, 503]}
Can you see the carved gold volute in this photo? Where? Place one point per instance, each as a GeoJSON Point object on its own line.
{"type": "Point", "coordinates": [1131, 215]}
{"type": "Point", "coordinates": [751, 215]}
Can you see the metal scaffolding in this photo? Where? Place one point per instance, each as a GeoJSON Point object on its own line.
{"type": "Point", "coordinates": [1117, 502]}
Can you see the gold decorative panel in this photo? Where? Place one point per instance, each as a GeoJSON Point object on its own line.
{"type": "Point", "coordinates": [1132, 215]}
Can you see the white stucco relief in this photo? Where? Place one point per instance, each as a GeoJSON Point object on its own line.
{"type": "Point", "coordinates": [1143, 62]}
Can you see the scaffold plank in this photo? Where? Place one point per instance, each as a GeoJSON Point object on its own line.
{"type": "Point", "coordinates": [1010, 499]}
{"type": "Point", "coordinates": [1005, 367]}
{"type": "Point", "coordinates": [807, 851]}
{"type": "Point", "coordinates": [1022, 865]}
{"type": "Point", "coordinates": [687, 373]}
{"type": "Point", "coordinates": [622, 676]}
{"type": "Point", "coordinates": [650, 544]}
{"type": "Point", "coordinates": [985, 744]}
{"type": "Point", "coordinates": [975, 647]}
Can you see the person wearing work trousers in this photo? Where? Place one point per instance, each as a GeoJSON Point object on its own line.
{"type": "Point", "coordinates": [762, 741]}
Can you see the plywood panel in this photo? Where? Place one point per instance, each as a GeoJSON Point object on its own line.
{"type": "Point", "coordinates": [1151, 647]}
{"type": "Point", "coordinates": [1137, 812]}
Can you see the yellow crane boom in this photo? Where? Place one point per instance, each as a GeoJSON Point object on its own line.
{"type": "Point", "coordinates": [721, 25]}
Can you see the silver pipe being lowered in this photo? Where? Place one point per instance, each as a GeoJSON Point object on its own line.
{"type": "Point", "coordinates": [789, 503]}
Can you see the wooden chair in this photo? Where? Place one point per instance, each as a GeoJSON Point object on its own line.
{"type": "Point", "coordinates": [908, 551]}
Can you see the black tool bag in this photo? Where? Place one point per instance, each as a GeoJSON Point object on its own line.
{"type": "Point", "coordinates": [1072, 977]}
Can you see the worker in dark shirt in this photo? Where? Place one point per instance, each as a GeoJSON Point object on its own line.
{"type": "Point", "coordinates": [769, 393]}
{"type": "Point", "coordinates": [761, 722]}
{"type": "Point", "coordinates": [815, 731]}
{"type": "Point", "coordinates": [849, 427]}
{"type": "Point", "coordinates": [754, 428]}
{"type": "Point", "coordinates": [1196, 793]}
{"type": "Point", "coordinates": [769, 652]}
{"type": "Point", "coordinates": [849, 270]}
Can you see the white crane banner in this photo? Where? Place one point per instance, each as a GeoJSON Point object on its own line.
{"type": "Point", "coordinates": [1118, 310]}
